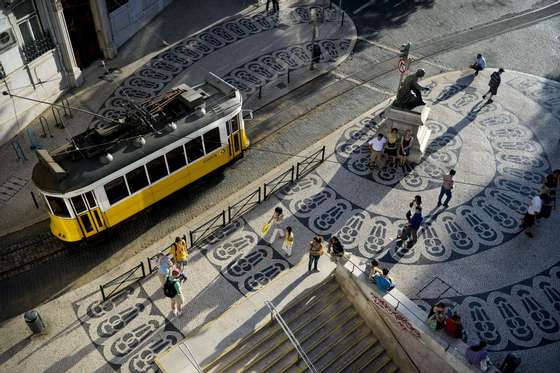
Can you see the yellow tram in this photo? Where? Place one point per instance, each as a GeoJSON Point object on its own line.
{"type": "Point", "coordinates": [109, 173]}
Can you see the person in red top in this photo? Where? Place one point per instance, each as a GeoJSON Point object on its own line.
{"type": "Point", "coordinates": [446, 189]}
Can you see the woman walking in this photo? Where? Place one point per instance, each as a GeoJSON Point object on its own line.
{"type": "Point", "coordinates": [315, 252]}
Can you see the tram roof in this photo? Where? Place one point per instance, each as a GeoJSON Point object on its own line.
{"type": "Point", "coordinates": [221, 100]}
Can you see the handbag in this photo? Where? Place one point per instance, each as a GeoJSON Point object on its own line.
{"type": "Point", "coordinates": [432, 322]}
{"type": "Point", "coordinates": [265, 229]}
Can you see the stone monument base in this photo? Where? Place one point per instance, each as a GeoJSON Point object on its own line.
{"type": "Point", "coordinates": [409, 120]}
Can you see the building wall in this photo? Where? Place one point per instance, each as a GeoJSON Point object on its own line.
{"type": "Point", "coordinates": [41, 79]}
{"type": "Point", "coordinates": [132, 16]}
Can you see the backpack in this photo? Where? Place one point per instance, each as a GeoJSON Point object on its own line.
{"type": "Point", "coordinates": [169, 288]}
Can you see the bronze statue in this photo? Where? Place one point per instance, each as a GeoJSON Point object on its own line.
{"type": "Point", "coordinates": [410, 92]}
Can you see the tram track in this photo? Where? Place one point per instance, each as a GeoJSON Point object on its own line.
{"type": "Point", "coordinates": [25, 255]}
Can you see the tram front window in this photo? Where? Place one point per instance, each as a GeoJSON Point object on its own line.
{"type": "Point", "coordinates": [58, 207]}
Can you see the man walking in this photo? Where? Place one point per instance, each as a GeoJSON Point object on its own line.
{"type": "Point", "coordinates": [494, 83]}
{"type": "Point", "coordinates": [479, 64]}
{"type": "Point", "coordinates": [531, 215]}
{"type": "Point", "coordinates": [410, 232]}
{"type": "Point", "coordinates": [376, 147]}
{"type": "Point", "coordinates": [446, 189]}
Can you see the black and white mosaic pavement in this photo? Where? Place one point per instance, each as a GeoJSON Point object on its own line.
{"type": "Point", "coordinates": [154, 76]}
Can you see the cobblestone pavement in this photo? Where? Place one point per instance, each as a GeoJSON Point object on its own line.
{"type": "Point", "coordinates": [505, 285]}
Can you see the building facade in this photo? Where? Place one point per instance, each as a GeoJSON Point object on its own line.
{"type": "Point", "coordinates": [45, 45]}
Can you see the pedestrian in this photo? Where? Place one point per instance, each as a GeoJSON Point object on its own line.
{"type": "Point", "coordinates": [376, 147]}
{"type": "Point", "coordinates": [335, 247]}
{"type": "Point", "coordinates": [275, 6]}
{"type": "Point", "coordinates": [164, 263]}
{"type": "Point", "coordinates": [446, 187]}
{"type": "Point", "coordinates": [374, 269]}
{"type": "Point", "coordinates": [391, 146]}
{"type": "Point", "coordinates": [288, 241]}
{"type": "Point", "coordinates": [180, 253]}
{"type": "Point", "coordinates": [405, 146]}
{"type": "Point", "coordinates": [315, 252]}
{"type": "Point", "coordinates": [531, 216]}
{"type": "Point", "coordinates": [315, 55]}
{"type": "Point", "coordinates": [437, 316]}
{"type": "Point", "coordinates": [454, 326]}
{"type": "Point", "coordinates": [477, 353]}
{"type": "Point", "coordinates": [547, 205]}
{"type": "Point", "coordinates": [172, 289]}
{"type": "Point", "coordinates": [494, 83]}
{"type": "Point", "coordinates": [274, 225]}
{"type": "Point", "coordinates": [383, 281]}
{"type": "Point", "coordinates": [416, 202]}
{"type": "Point", "coordinates": [479, 64]}
{"type": "Point", "coordinates": [410, 231]}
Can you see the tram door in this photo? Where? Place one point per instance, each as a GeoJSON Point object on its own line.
{"type": "Point", "coordinates": [88, 214]}
{"type": "Point", "coordinates": [234, 136]}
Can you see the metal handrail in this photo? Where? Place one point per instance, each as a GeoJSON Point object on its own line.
{"type": "Point", "coordinates": [190, 357]}
{"type": "Point", "coordinates": [354, 265]}
{"type": "Point", "coordinates": [274, 313]}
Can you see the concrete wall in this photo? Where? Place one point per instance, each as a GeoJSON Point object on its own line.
{"type": "Point", "coordinates": [132, 16]}
{"type": "Point", "coordinates": [430, 351]}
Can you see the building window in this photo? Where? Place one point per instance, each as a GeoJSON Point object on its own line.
{"type": "Point", "coordinates": [194, 149]}
{"type": "Point", "coordinates": [28, 21]}
{"type": "Point", "coordinates": [58, 206]}
{"type": "Point", "coordinates": [137, 179]}
{"type": "Point", "coordinates": [35, 42]}
{"type": "Point", "coordinates": [156, 169]}
{"type": "Point", "coordinates": [212, 140]}
{"type": "Point", "coordinates": [176, 159]}
{"type": "Point", "coordinates": [116, 190]}
{"type": "Point", "coordinates": [115, 4]}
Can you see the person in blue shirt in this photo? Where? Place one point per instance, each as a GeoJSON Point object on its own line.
{"type": "Point", "coordinates": [410, 232]}
{"type": "Point", "coordinates": [383, 281]}
{"type": "Point", "coordinates": [479, 64]}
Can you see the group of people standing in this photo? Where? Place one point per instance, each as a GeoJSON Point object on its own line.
{"type": "Point", "coordinates": [396, 148]}
{"type": "Point", "coordinates": [171, 273]}
{"type": "Point", "coordinates": [542, 204]}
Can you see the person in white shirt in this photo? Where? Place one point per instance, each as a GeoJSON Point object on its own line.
{"type": "Point", "coordinates": [376, 147]}
{"type": "Point", "coordinates": [531, 216]}
{"type": "Point", "coordinates": [479, 64]}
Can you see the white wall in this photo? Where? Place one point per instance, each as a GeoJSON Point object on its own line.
{"type": "Point", "coordinates": [131, 17]}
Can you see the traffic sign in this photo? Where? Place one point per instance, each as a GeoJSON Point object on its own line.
{"type": "Point", "coordinates": [403, 66]}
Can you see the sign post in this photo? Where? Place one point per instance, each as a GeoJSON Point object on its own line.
{"type": "Point", "coordinates": [403, 68]}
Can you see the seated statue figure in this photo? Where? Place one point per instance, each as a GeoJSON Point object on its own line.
{"type": "Point", "coordinates": [410, 92]}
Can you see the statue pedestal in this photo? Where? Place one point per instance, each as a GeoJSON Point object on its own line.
{"type": "Point", "coordinates": [409, 120]}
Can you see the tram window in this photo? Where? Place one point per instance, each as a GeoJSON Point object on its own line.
{"type": "Point", "coordinates": [235, 123]}
{"type": "Point", "coordinates": [212, 140]}
{"type": "Point", "coordinates": [58, 206]}
{"type": "Point", "coordinates": [137, 179]}
{"type": "Point", "coordinates": [91, 200]}
{"type": "Point", "coordinates": [156, 169]}
{"type": "Point", "coordinates": [194, 149]}
{"type": "Point", "coordinates": [116, 190]}
{"type": "Point", "coordinates": [176, 159]}
{"type": "Point", "coordinates": [79, 204]}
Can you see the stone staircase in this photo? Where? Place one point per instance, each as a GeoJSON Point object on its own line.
{"type": "Point", "coordinates": [329, 330]}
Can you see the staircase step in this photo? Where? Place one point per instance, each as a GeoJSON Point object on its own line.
{"type": "Point", "coordinates": [336, 345]}
{"type": "Point", "coordinates": [374, 353]}
{"type": "Point", "coordinates": [381, 364]}
{"type": "Point", "coordinates": [311, 335]}
{"type": "Point", "coordinates": [391, 367]}
{"type": "Point", "coordinates": [296, 309]}
{"type": "Point", "coordinates": [233, 356]}
{"type": "Point", "coordinates": [244, 347]}
{"type": "Point", "coordinates": [350, 355]}
{"type": "Point", "coordinates": [320, 310]}
{"type": "Point", "coordinates": [264, 363]}
{"type": "Point", "coordinates": [324, 287]}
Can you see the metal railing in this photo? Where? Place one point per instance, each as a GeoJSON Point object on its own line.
{"type": "Point", "coordinates": [243, 205]}
{"type": "Point", "coordinates": [208, 228]}
{"type": "Point", "coordinates": [119, 281]}
{"type": "Point", "coordinates": [399, 303]}
{"type": "Point", "coordinates": [190, 356]}
{"type": "Point", "coordinates": [37, 48]}
{"type": "Point", "coordinates": [278, 182]}
{"type": "Point", "coordinates": [275, 314]}
{"type": "Point", "coordinates": [310, 163]}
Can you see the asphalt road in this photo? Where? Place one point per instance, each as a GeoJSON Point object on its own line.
{"type": "Point", "coordinates": [445, 36]}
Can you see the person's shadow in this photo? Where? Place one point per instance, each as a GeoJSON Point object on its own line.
{"type": "Point", "coordinates": [459, 85]}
